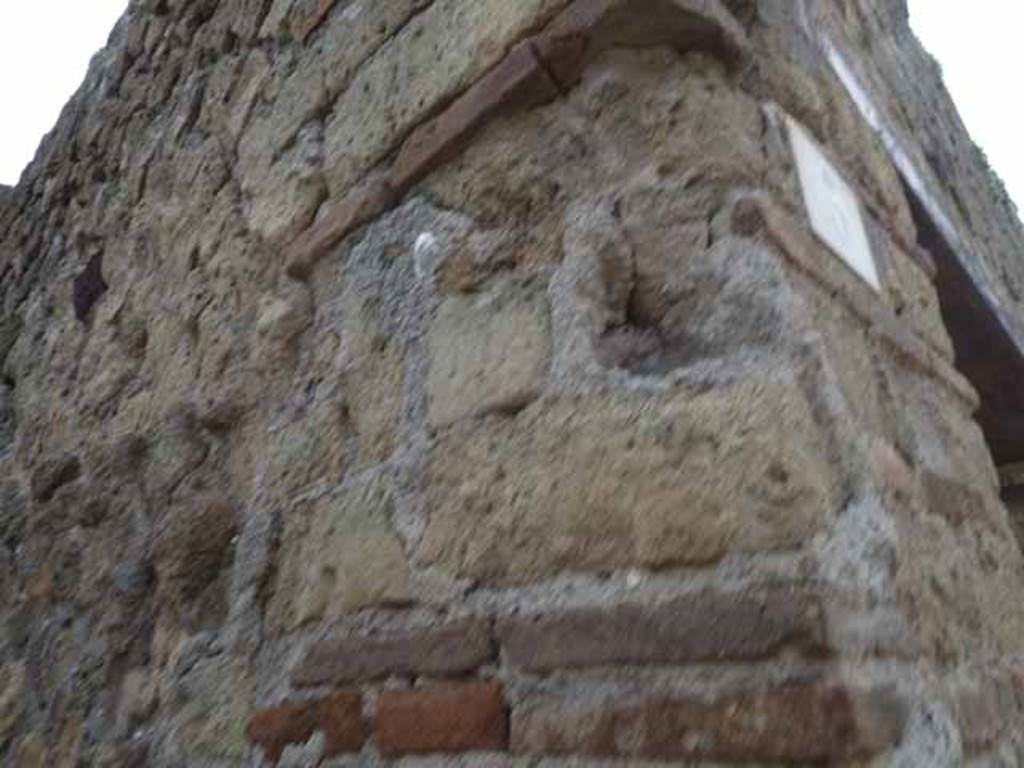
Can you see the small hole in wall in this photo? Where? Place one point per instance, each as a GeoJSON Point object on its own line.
{"type": "Point", "coordinates": [778, 474]}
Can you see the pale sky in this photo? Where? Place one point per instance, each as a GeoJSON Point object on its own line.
{"type": "Point", "coordinates": [45, 48]}
{"type": "Point", "coordinates": [979, 47]}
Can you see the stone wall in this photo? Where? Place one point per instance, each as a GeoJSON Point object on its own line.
{"type": "Point", "coordinates": [433, 377]}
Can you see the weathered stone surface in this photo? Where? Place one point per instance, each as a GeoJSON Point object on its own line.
{"type": "Point", "coordinates": [955, 502]}
{"type": "Point", "coordinates": [339, 716]}
{"type": "Point", "coordinates": [588, 27]}
{"type": "Point", "coordinates": [339, 554]}
{"type": "Point", "coordinates": [439, 53]}
{"type": "Point", "coordinates": [446, 650]}
{"type": "Point", "coordinates": [194, 546]}
{"type": "Point", "coordinates": [215, 694]}
{"type": "Point", "coordinates": [357, 208]}
{"type": "Point", "coordinates": [644, 480]}
{"type": "Point", "coordinates": [705, 626]}
{"type": "Point", "coordinates": [13, 681]}
{"type": "Point", "coordinates": [519, 80]}
{"type": "Point", "coordinates": [89, 286]}
{"type": "Point", "coordinates": [442, 339]}
{"type": "Point", "coordinates": [489, 353]}
{"type": "Point", "coordinates": [986, 712]}
{"type": "Point", "coordinates": [814, 722]}
{"type": "Point", "coordinates": [460, 718]}
{"type": "Point", "coordinates": [53, 473]}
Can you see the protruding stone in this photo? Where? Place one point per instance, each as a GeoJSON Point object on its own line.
{"type": "Point", "coordinates": [356, 209]}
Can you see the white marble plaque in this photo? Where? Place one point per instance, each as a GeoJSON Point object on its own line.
{"type": "Point", "coordinates": [832, 206]}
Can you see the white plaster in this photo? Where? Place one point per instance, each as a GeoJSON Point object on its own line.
{"type": "Point", "coordinates": [833, 207]}
{"type": "Point", "coordinates": [425, 254]}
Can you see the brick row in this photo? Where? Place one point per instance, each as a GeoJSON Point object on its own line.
{"type": "Point", "coordinates": [808, 723]}
{"type": "Point", "coordinates": [710, 625]}
{"type": "Point", "coordinates": [706, 626]}
{"type": "Point", "coordinates": [447, 650]}
{"type": "Point", "coordinates": [466, 717]}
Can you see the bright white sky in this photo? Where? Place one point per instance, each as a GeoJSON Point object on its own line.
{"type": "Point", "coordinates": [45, 48]}
{"type": "Point", "coordinates": [978, 44]}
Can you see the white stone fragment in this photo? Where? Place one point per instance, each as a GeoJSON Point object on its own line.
{"type": "Point", "coordinates": [832, 205]}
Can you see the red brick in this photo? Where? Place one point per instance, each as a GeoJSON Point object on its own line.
{"type": "Point", "coordinates": [339, 716]}
{"type": "Point", "coordinates": [809, 722]}
{"type": "Point", "coordinates": [451, 649]}
{"type": "Point", "coordinates": [705, 626]}
{"type": "Point", "coordinates": [359, 207]}
{"type": "Point", "coordinates": [518, 80]}
{"type": "Point", "coordinates": [460, 718]}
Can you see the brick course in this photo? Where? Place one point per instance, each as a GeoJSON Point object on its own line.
{"type": "Point", "coordinates": [339, 716]}
{"type": "Point", "coordinates": [812, 722]}
{"type": "Point", "coordinates": [706, 626]}
{"type": "Point", "coordinates": [460, 718]}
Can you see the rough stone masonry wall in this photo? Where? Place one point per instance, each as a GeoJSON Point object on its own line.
{"type": "Point", "coordinates": [404, 378]}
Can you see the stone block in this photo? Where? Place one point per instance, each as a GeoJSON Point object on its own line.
{"type": "Point", "coordinates": [437, 55]}
{"type": "Point", "coordinates": [339, 554]}
{"type": "Point", "coordinates": [615, 479]}
{"type": "Point", "coordinates": [488, 353]}
{"type": "Point", "coordinates": [436, 651]}
{"type": "Point", "coordinates": [460, 718]}
{"type": "Point", "coordinates": [706, 626]}
{"type": "Point", "coordinates": [805, 723]}
{"type": "Point", "coordinates": [518, 80]}
{"type": "Point", "coordinates": [355, 209]}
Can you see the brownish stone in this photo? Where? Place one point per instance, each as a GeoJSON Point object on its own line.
{"type": "Point", "coordinates": [752, 216]}
{"type": "Point", "coordinates": [458, 647]}
{"type": "Point", "coordinates": [587, 27]}
{"type": "Point", "coordinates": [359, 206]}
{"type": "Point", "coordinates": [706, 626]}
{"type": "Point", "coordinates": [955, 502]}
{"type": "Point", "coordinates": [339, 716]}
{"type": "Point", "coordinates": [807, 723]}
{"type": "Point", "coordinates": [461, 718]}
{"type": "Point", "coordinates": [313, 19]}
{"type": "Point", "coordinates": [518, 80]}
